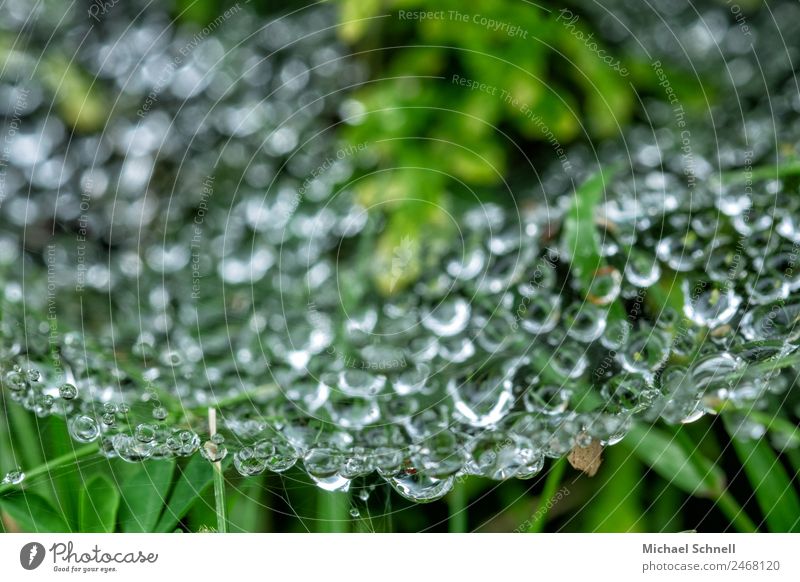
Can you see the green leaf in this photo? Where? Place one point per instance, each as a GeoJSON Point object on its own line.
{"type": "Point", "coordinates": [778, 425]}
{"type": "Point", "coordinates": [787, 168]}
{"type": "Point", "coordinates": [579, 235]}
{"type": "Point", "coordinates": [98, 506]}
{"type": "Point", "coordinates": [144, 488]}
{"type": "Point", "coordinates": [196, 476]}
{"type": "Point", "coordinates": [64, 483]}
{"type": "Point", "coordinates": [33, 513]}
{"type": "Point", "coordinates": [248, 512]}
{"type": "Point", "coordinates": [774, 491]}
{"type": "Point", "coordinates": [665, 455]}
{"type": "Point", "coordinates": [616, 505]}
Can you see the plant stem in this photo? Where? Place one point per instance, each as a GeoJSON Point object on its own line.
{"type": "Point", "coordinates": [48, 466]}
{"type": "Point", "coordinates": [457, 508]}
{"type": "Point", "coordinates": [333, 511]}
{"type": "Point", "coordinates": [733, 511]}
{"type": "Point", "coordinates": [788, 168]}
{"type": "Point", "coordinates": [219, 479]}
{"type": "Point", "coordinates": [771, 365]}
{"type": "Point", "coordinates": [550, 487]}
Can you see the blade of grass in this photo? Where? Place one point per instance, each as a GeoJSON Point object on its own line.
{"type": "Point", "coordinates": [794, 459]}
{"type": "Point", "coordinates": [250, 511]}
{"type": "Point", "coordinates": [664, 515]}
{"type": "Point", "coordinates": [64, 483]}
{"type": "Point", "coordinates": [333, 511]}
{"type": "Point", "coordinates": [660, 451]}
{"type": "Point", "coordinates": [25, 437]}
{"type": "Point", "coordinates": [774, 492]}
{"type": "Point", "coordinates": [665, 455]}
{"type": "Point", "coordinates": [45, 468]}
{"type": "Point", "coordinates": [789, 168]}
{"type": "Point", "coordinates": [457, 508]}
{"type": "Point", "coordinates": [219, 479]}
{"type": "Point", "coordinates": [551, 485]}
{"type": "Point", "coordinates": [617, 505]}
{"type": "Point", "coordinates": [99, 504]}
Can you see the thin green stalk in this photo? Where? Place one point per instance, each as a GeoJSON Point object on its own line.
{"type": "Point", "coordinates": [333, 511]}
{"type": "Point", "coordinates": [219, 499]}
{"type": "Point", "coordinates": [788, 168]}
{"type": "Point", "coordinates": [219, 479]}
{"type": "Point", "coordinates": [48, 466]}
{"type": "Point", "coordinates": [771, 365]}
{"type": "Point", "coordinates": [551, 485]}
{"type": "Point", "coordinates": [457, 508]}
{"type": "Point", "coordinates": [734, 512]}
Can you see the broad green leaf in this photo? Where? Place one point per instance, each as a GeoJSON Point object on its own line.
{"type": "Point", "coordinates": [98, 505]}
{"type": "Point", "coordinates": [33, 513]}
{"type": "Point", "coordinates": [195, 477]}
{"type": "Point", "coordinates": [144, 488]}
{"type": "Point", "coordinates": [776, 494]}
{"type": "Point", "coordinates": [665, 455]}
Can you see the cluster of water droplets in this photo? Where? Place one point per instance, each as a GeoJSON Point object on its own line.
{"type": "Point", "coordinates": [246, 289]}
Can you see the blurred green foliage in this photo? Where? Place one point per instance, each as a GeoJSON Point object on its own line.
{"type": "Point", "coordinates": [462, 94]}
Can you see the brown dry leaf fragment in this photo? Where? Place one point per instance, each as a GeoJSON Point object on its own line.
{"type": "Point", "coordinates": [587, 459]}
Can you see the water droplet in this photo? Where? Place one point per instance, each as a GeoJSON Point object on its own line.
{"type": "Point", "coordinates": [647, 350]}
{"type": "Point", "coordinates": [709, 305]}
{"type": "Point", "coordinates": [642, 270]}
{"type": "Point", "coordinates": [145, 433]}
{"type": "Point", "coordinates": [500, 456]}
{"type": "Point", "coordinates": [542, 314]}
{"type": "Point", "coordinates": [682, 253]}
{"type": "Point", "coordinates": [14, 477]}
{"type": "Point", "coordinates": [440, 455]}
{"type": "Point", "coordinates": [569, 361]}
{"type": "Point", "coordinates": [360, 383]}
{"type": "Point", "coordinates": [351, 412]}
{"type": "Point", "coordinates": [546, 399]}
{"type": "Point", "coordinates": [411, 381]}
{"type": "Point", "coordinates": [323, 462]}
{"type": "Point", "coordinates": [769, 322]}
{"type": "Point", "coordinates": [16, 381]}
{"type": "Point", "coordinates": [83, 428]}
{"type": "Point", "coordinates": [584, 322]}
{"type": "Point", "coordinates": [418, 487]}
{"type": "Point", "coordinates": [605, 286]}
{"type": "Point", "coordinates": [131, 449]}
{"type": "Point", "coordinates": [448, 318]}
{"type": "Point", "coordinates": [213, 452]}
{"type": "Point", "coordinates": [248, 463]}
{"type": "Point", "coordinates": [481, 403]}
